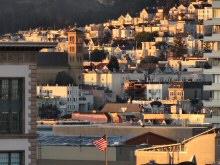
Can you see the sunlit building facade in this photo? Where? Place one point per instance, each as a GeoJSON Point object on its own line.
{"type": "Point", "coordinates": [18, 103]}
{"type": "Point", "coordinates": [213, 38]}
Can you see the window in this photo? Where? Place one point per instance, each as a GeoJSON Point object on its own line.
{"type": "Point", "coordinates": [218, 142]}
{"type": "Point", "coordinates": [79, 39]}
{"type": "Point", "coordinates": [11, 158]}
{"type": "Point", "coordinates": [79, 49]}
{"type": "Point", "coordinates": [72, 49]}
{"type": "Point", "coordinates": [11, 105]}
{"type": "Point", "coordinates": [72, 39]}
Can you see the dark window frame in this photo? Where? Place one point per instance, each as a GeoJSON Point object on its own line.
{"type": "Point", "coordinates": [21, 156]}
{"type": "Point", "coordinates": [15, 106]}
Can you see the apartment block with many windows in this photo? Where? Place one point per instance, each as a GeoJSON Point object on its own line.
{"type": "Point", "coordinates": [213, 38]}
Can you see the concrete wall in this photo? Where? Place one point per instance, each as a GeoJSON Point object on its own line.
{"type": "Point", "coordinates": [75, 153]}
{"type": "Point", "coordinates": [84, 155]}
{"type": "Point", "coordinates": [82, 162]}
{"type": "Point", "coordinates": [217, 147]}
{"type": "Point", "coordinates": [56, 90]}
{"type": "Point", "coordinates": [17, 145]}
{"type": "Point", "coordinates": [46, 74]}
{"type": "Point", "coordinates": [174, 133]}
{"type": "Point", "coordinates": [202, 148]}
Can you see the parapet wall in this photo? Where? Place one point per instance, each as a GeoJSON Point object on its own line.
{"type": "Point", "coordinates": [174, 133]}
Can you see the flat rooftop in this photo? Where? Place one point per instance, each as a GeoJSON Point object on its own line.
{"type": "Point", "coordinates": [170, 132]}
{"type": "Point", "coordinates": [47, 138]}
{"type": "Point", "coordinates": [26, 46]}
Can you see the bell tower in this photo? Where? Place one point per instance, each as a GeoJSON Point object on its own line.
{"type": "Point", "coordinates": [75, 54]}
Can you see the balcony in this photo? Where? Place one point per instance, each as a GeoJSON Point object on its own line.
{"type": "Point", "coordinates": [213, 21]}
{"type": "Point", "coordinates": [215, 36]}
{"type": "Point", "coordinates": [213, 87]}
{"type": "Point", "coordinates": [211, 103]}
{"type": "Point", "coordinates": [212, 54]}
{"type": "Point", "coordinates": [213, 119]}
{"type": "Point", "coordinates": [213, 70]}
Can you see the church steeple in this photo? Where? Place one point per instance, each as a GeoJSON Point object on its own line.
{"type": "Point", "coordinates": [75, 47]}
{"type": "Point", "coordinates": [75, 52]}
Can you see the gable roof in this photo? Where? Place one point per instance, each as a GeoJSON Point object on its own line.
{"type": "Point", "coordinates": [52, 59]}
{"type": "Point", "coordinates": [168, 70]}
{"type": "Point", "coordinates": [75, 30]}
{"type": "Point", "coordinates": [149, 138]}
{"type": "Point", "coordinates": [117, 107]}
{"type": "Point", "coordinates": [151, 10]}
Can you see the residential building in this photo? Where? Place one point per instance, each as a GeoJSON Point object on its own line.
{"type": "Point", "coordinates": [114, 81]}
{"type": "Point", "coordinates": [116, 33]}
{"type": "Point", "coordinates": [129, 20]}
{"type": "Point", "coordinates": [18, 112]}
{"type": "Point", "coordinates": [180, 90]}
{"type": "Point", "coordinates": [182, 9]}
{"type": "Point", "coordinates": [74, 98]}
{"type": "Point", "coordinates": [156, 91]}
{"type": "Point", "coordinates": [173, 13]}
{"type": "Point", "coordinates": [214, 103]}
{"type": "Point", "coordinates": [49, 102]}
{"type": "Point", "coordinates": [102, 96]}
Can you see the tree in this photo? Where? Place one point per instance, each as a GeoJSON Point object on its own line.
{"type": "Point", "coordinates": [207, 66]}
{"type": "Point", "coordinates": [179, 47]}
{"type": "Point", "coordinates": [156, 103]}
{"type": "Point", "coordinates": [149, 59]}
{"type": "Point", "coordinates": [113, 64]}
{"type": "Point", "coordinates": [98, 55]}
{"type": "Point", "coordinates": [145, 36]}
{"type": "Point", "coordinates": [107, 37]}
{"type": "Point", "coordinates": [162, 57]}
{"type": "Point", "coordinates": [63, 78]}
{"type": "Point", "coordinates": [119, 43]}
{"type": "Point", "coordinates": [49, 112]}
{"type": "Point", "coordinates": [66, 116]}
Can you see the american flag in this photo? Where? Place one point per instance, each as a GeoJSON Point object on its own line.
{"type": "Point", "coordinates": [101, 143]}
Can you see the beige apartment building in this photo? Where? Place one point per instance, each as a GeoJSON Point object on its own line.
{"type": "Point", "coordinates": [214, 39]}
{"type": "Point", "coordinates": [202, 149]}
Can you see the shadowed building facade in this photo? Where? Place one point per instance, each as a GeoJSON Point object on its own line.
{"type": "Point", "coordinates": [49, 64]}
